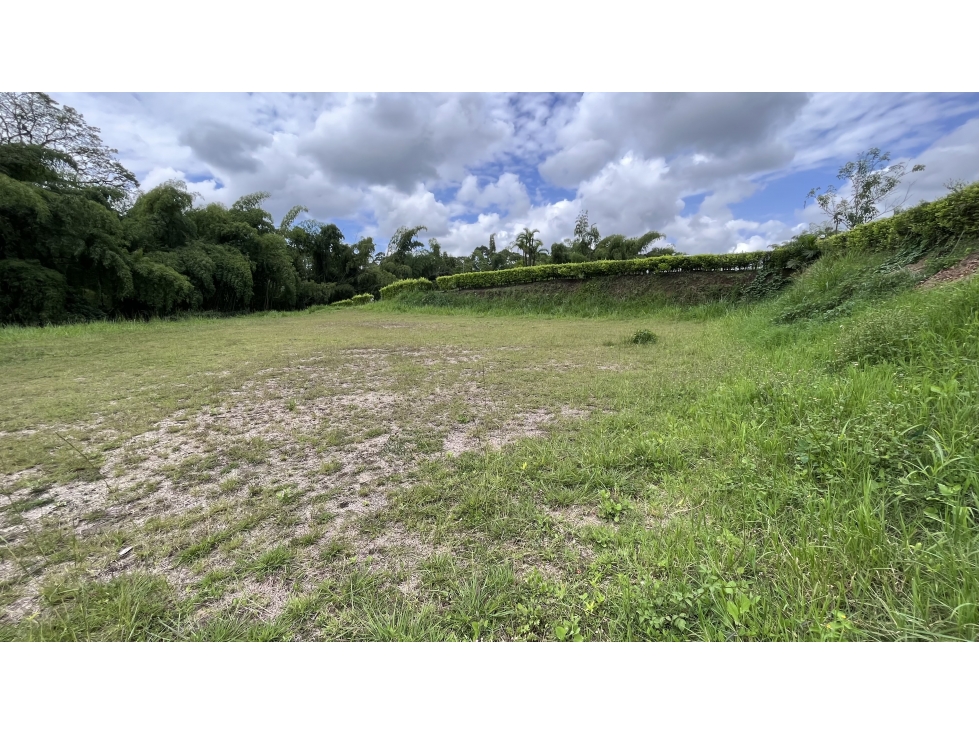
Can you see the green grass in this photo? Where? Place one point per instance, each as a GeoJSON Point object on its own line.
{"type": "Point", "coordinates": [750, 476]}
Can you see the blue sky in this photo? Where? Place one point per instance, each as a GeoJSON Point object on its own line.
{"type": "Point", "coordinates": [713, 172]}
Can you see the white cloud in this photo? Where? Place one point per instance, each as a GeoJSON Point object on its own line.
{"type": "Point", "coordinates": [395, 208]}
{"type": "Point", "coordinates": [467, 166]}
{"type": "Point", "coordinates": [507, 193]}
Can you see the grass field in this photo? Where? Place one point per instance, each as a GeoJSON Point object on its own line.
{"type": "Point", "coordinates": [378, 474]}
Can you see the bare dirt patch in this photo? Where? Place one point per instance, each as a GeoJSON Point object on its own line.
{"type": "Point", "coordinates": [967, 267]}
{"type": "Point", "coordinates": [532, 424]}
{"type": "Point", "coordinates": [317, 444]}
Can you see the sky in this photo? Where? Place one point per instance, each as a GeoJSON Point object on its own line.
{"type": "Point", "coordinates": [713, 172]}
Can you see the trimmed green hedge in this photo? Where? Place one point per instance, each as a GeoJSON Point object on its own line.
{"type": "Point", "coordinates": [926, 226]}
{"type": "Point", "coordinates": [405, 286]}
{"type": "Point", "coordinates": [640, 266]}
{"type": "Point", "coordinates": [359, 300]}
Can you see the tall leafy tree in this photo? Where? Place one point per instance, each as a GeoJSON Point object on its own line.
{"type": "Point", "coordinates": [585, 238]}
{"type": "Point", "coordinates": [869, 180]}
{"type": "Point", "coordinates": [34, 118]}
{"type": "Point", "coordinates": [63, 250]}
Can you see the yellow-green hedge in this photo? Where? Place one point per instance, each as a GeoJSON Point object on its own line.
{"type": "Point", "coordinates": [405, 286]}
{"type": "Point", "coordinates": [928, 225]}
{"type": "Point", "coordinates": [650, 265]}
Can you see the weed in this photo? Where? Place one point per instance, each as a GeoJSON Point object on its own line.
{"type": "Point", "coordinates": [331, 467]}
{"type": "Point", "coordinates": [272, 561]}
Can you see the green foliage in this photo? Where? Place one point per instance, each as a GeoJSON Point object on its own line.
{"type": "Point", "coordinates": [31, 294]}
{"type": "Point", "coordinates": [531, 247]}
{"type": "Point", "coordinates": [619, 247]}
{"type": "Point", "coordinates": [362, 299]}
{"type": "Point", "coordinates": [871, 179]}
{"type": "Point", "coordinates": [159, 288]}
{"type": "Point", "coordinates": [663, 264]}
{"type": "Point", "coordinates": [33, 119]}
{"type": "Point", "coordinates": [924, 228]}
{"type": "Point", "coordinates": [128, 608]}
{"type": "Point", "coordinates": [49, 220]}
{"type": "Point", "coordinates": [310, 293]}
{"type": "Point", "coordinates": [690, 295]}
{"type": "Point", "coordinates": [221, 275]}
{"type": "Point", "coordinates": [644, 336]}
{"type": "Point", "coordinates": [159, 219]}
{"type": "Point", "coordinates": [400, 287]}
{"type": "Point", "coordinates": [883, 335]}
{"type": "Point", "coordinates": [836, 286]}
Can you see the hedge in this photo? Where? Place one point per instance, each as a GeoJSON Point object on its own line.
{"type": "Point", "coordinates": [405, 286]}
{"type": "Point", "coordinates": [358, 300]}
{"type": "Point", "coordinates": [926, 226]}
{"type": "Point", "coordinates": [661, 264]}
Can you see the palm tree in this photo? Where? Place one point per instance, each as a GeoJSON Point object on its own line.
{"type": "Point", "coordinates": [529, 245]}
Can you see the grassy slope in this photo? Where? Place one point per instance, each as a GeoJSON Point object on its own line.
{"type": "Point", "coordinates": [804, 469]}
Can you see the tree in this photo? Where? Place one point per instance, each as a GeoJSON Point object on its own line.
{"type": "Point", "coordinates": [403, 241]}
{"type": "Point", "coordinates": [57, 239]}
{"type": "Point", "coordinates": [159, 219]}
{"type": "Point", "coordinates": [585, 237]}
{"type": "Point", "coordinates": [285, 226]}
{"type": "Point", "coordinates": [529, 245]}
{"type": "Point", "coordinates": [620, 247]}
{"type": "Point", "coordinates": [871, 180]}
{"type": "Point", "coordinates": [34, 118]}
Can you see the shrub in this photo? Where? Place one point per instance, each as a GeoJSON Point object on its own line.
{"type": "Point", "coordinates": [345, 302]}
{"type": "Point", "coordinates": [644, 336]}
{"type": "Point", "coordinates": [401, 287]}
{"type": "Point", "coordinates": [639, 266]}
{"type": "Point", "coordinates": [362, 299]}
{"type": "Point", "coordinates": [880, 336]}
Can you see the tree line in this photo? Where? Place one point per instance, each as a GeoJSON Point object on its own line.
{"type": "Point", "coordinates": [80, 241]}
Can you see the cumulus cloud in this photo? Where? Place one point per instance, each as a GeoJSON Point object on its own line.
{"type": "Point", "coordinates": [396, 208]}
{"type": "Point", "coordinates": [468, 166]}
{"type": "Point", "coordinates": [507, 194]}
{"type": "Point", "coordinates": [402, 139]}
{"type": "Point", "coordinates": [666, 124]}
{"type": "Point", "coordinates": [226, 147]}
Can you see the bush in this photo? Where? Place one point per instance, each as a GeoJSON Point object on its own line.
{"type": "Point", "coordinates": [645, 265]}
{"type": "Point", "coordinates": [362, 299]}
{"type": "Point", "coordinates": [345, 302]}
{"type": "Point", "coordinates": [401, 287]}
{"type": "Point", "coordinates": [644, 336]}
{"type": "Point", "coordinates": [880, 336]}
